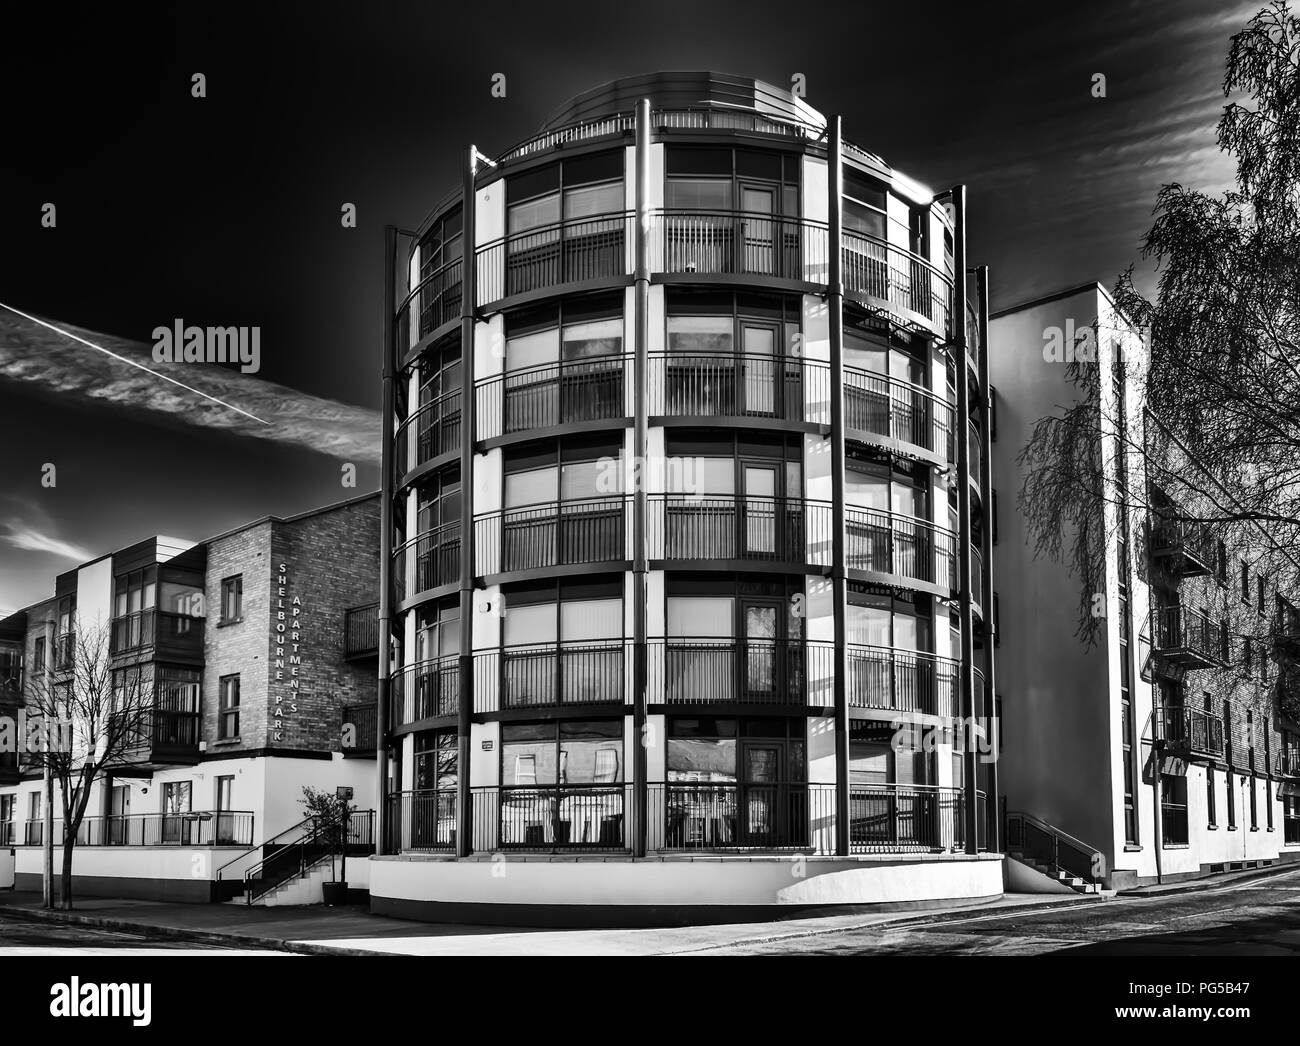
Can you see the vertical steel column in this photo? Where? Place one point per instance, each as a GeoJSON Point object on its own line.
{"type": "Point", "coordinates": [986, 487]}
{"type": "Point", "coordinates": [386, 484]}
{"type": "Point", "coordinates": [839, 589]}
{"type": "Point", "coordinates": [640, 451]}
{"type": "Point", "coordinates": [970, 781]}
{"type": "Point", "coordinates": [468, 299]}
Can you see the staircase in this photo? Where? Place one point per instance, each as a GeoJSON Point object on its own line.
{"type": "Point", "coordinates": [1054, 853]}
{"type": "Point", "coordinates": [294, 864]}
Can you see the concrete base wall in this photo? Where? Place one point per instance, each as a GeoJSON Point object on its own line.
{"type": "Point", "coordinates": [183, 874]}
{"type": "Point", "coordinates": [669, 891]}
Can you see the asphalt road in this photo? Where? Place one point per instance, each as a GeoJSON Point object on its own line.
{"type": "Point", "coordinates": [37, 937]}
{"type": "Point", "coordinates": [1252, 918]}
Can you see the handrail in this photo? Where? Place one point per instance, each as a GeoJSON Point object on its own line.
{"type": "Point", "coordinates": [251, 893]}
{"type": "Point", "coordinates": [258, 846]}
{"type": "Point", "coordinates": [1058, 837]}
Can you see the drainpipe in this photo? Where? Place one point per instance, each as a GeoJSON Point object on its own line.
{"type": "Point", "coordinates": [468, 299]}
{"type": "Point", "coordinates": [385, 546]}
{"type": "Point", "coordinates": [990, 708]}
{"type": "Point", "coordinates": [640, 439]}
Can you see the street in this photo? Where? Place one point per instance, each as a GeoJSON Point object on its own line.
{"type": "Point", "coordinates": [19, 936]}
{"type": "Point", "coordinates": [1251, 918]}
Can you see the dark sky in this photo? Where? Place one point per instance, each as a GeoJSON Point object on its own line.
{"type": "Point", "coordinates": [225, 210]}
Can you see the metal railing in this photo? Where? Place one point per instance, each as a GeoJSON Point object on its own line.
{"type": "Point", "coordinates": [903, 680]}
{"type": "Point", "coordinates": [719, 816]}
{"type": "Point", "coordinates": [189, 828]}
{"type": "Point", "coordinates": [1184, 634]}
{"type": "Point", "coordinates": [708, 118]}
{"type": "Point", "coordinates": [422, 819]}
{"type": "Point", "coordinates": [428, 561]}
{"type": "Point", "coordinates": [361, 630]}
{"type": "Point", "coordinates": [563, 393]}
{"type": "Point", "coordinates": [364, 721]}
{"type": "Point", "coordinates": [686, 670]}
{"type": "Point", "coordinates": [605, 126]}
{"type": "Point", "coordinates": [559, 533]}
{"type": "Point", "coordinates": [424, 690]}
{"type": "Point", "coordinates": [897, 410]}
{"type": "Point", "coordinates": [1046, 844]}
{"type": "Point", "coordinates": [744, 527]}
{"type": "Point", "coordinates": [712, 385]}
{"type": "Point", "coordinates": [1191, 540]}
{"type": "Point", "coordinates": [1190, 730]}
{"type": "Point", "coordinates": [152, 732]}
{"type": "Point", "coordinates": [738, 243]}
{"type": "Point", "coordinates": [1288, 761]}
{"type": "Point", "coordinates": [893, 543]}
{"type": "Point", "coordinates": [433, 430]}
{"type": "Point", "coordinates": [540, 675]}
{"type": "Point", "coordinates": [565, 252]}
{"type": "Point", "coordinates": [905, 818]}
{"type": "Point", "coordinates": [874, 268]}
{"type": "Point", "coordinates": [435, 300]}
{"type": "Point", "coordinates": [552, 818]}
{"type": "Point", "coordinates": [315, 845]}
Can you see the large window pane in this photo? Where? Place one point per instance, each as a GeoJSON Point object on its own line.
{"type": "Point", "coordinates": [695, 616]}
{"type": "Point", "coordinates": [529, 624]}
{"type": "Point", "coordinates": [597, 338]}
{"type": "Point", "coordinates": [544, 210]}
{"type": "Point", "coordinates": [533, 487]}
{"type": "Point", "coordinates": [591, 200]}
{"type": "Point", "coordinates": [700, 334]}
{"type": "Point", "coordinates": [709, 194]}
{"type": "Point", "coordinates": [589, 620]}
{"type": "Point", "coordinates": [591, 752]}
{"type": "Point", "coordinates": [532, 350]}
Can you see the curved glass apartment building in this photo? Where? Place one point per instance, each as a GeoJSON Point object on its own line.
{"type": "Point", "coordinates": [686, 515]}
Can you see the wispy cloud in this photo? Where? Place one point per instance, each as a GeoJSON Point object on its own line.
{"type": "Point", "coordinates": [36, 541]}
{"type": "Point", "coordinates": [40, 357]}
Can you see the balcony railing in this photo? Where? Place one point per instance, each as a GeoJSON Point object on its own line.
{"type": "Point", "coordinates": [551, 818]}
{"type": "Point", "coordinates": [1189, 544]}
{"type": "Point", "coordinates": [552, 674]}
{"type": "Point", "coordinates": [739, 527]}
{"type": "Point", "coordinates": [425, 690]}
{"type": "Point", "coordinates": [711, 816]}
{"type": "Point", "coordinates": [618, 124]}
{"type": "Point", "coordinates": [567, 252]}
{"type": "Point", "coordinates": [892, 543]}
{"type": "Point", "coordinates": [737, 243]}
{"type": "Point", "coordinates": [363, 721]}
{"type": "Point", "coordinates": [1189, 731]}
{"type": "Point", "coordinates": [435, 300]}
{"type": "Point", "coordinates": [433, 430]}
{"type": "Point", "coordinates": [428, 561]}
{"type": "Point", "coordinates": [157, 629]}
{"type": "Point", "coordinates": [190, 828]}
{"type": "Point", "coordinates": [422, 820]}
{"type": "Point", "coordinates": [975, 454]}
{"type": "Point", "coordinates": [1288, 761]}
{"type": "Point", "coordinates": [361, 631]}
{"type": "Point", "coordinates": [704, 670]}
{"type": "Point", "coordinates": [718, 385]}
{"type": "Point", "coordinates": [1188, 638]}
{"type": "Point", "coordinates": [160, 735]}
{"type": "Point", "coordinates": [898, 410]}
{"type": "Point", "coordinates": [561, 533]}
{"type": "Point", "coordinates": [563, 393]}
{"type": "Point", "coordinates": [875, 269]}
{"type": "Point", "coordinates": [903, 680]}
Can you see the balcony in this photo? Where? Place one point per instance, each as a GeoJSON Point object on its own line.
{"type": "Point", "coordinates": [903, 546]}
{"type": "Point", "coordinates": [557, 394]}
{"type": "Point", "coordinates": [427, 562]}
{"type": "Point", "coordinates": [903, 680]}
{"type": "Point", "coordinates": [1189, 732]}
{"type": "Point", "coordinates": [899, 413]}
{"type": "Point", "coordinates": [1288, 762]}
{"type": "Point", "coordinates": [426, 690]}
{"type": "Point", "coordinates": [552, 818]}
{"type": "Point", "coordinates": [423, 820]}
{"type": "Point", "coordinates": [720, 816]}
{"type": "Point", "coordinates": [195, 828]}
{"type": "Point", "coordinates": [548, 675]}
{"type": "Point", "coordinates": [361, 632]}
{"type": "Point", "coordinates": [905, 819]}
{"type": "Point", "coordinates": [1187, 639]}
{"type": "Point", "coordinates": [553, 534]}
{"type": "Point", "coordinates": [567, 252]}
{"type": "Point", "coordinates": [879, 272]}
{"type": "Point", "coordinates": [715, 670]}
{"type": "Point", "coordinates": [157, 631]}
{"type": "Point", "coordinates": [360, 723]}
{"type": "Point", "coordinates": [435, 301]}
{"type": "Point", "coordinates": [164, 737]}
{"type": "Point", "coordinates": [433, 430]}
{"type": "Point", "coordinates": [718, 385]}
{"type": "Point", "coordinates": [1187, 545]}
{"type": "Point", "coordinates": [720, 528]}
{"type": "Point", "coordinates": [738, 243]}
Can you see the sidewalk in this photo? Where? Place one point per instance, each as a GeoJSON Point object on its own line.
{"type": "Point", "coordinates": [354, 931]}
{"type": "Point", "coordinates": [1210, 882]}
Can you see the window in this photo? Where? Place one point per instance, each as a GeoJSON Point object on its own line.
{"type": "Point", "coordinates": [1248, 656]}
{"type": "Point", "coordinates": [228, 708]}
{"type": "Point", "coordinates": [34, 806]}
{"type": "Point", "coordinates": [1221, 563]}
{"type": "Point", "coordinates": [1254, 813]}
{"type": "Point", "coordinates": [568, 752]}
{"type": "Point", "coordinates": [1268, 802]}
{"type": "Point", "coordinates": [583, 187]}
{"type": "Point", "coordinates": [38, 655]}
{"type": "Point", "coordinates": [1211, 815]}
{"type": "Point", "coordinates": [134, 595]}
{"type": "Point", "coordinates": [232, 599]}
{"type": "Point", "coordinates": [1173, 809]}
{"type": "Point", "coordinates": [1245, 582]}
{"type": "Point", "coordinates": [7, 804]}
{"type": "Point", "coordinates": [1232, 801]}
{"type": "Point", "coordinates": [1259, 584]}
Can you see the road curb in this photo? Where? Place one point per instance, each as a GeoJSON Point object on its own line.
{"type": "Point", "coordinates": [155, 930]}
{"type": "Point", "coordinates": [1209, 882]}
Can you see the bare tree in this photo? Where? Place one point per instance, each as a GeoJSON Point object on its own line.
{"type": "Point", "coordinates": [104, 718]}
{"type": "Point", "coordinates": [1218, 379]}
